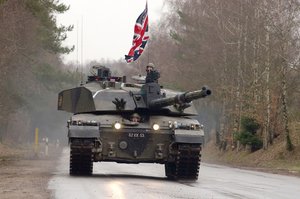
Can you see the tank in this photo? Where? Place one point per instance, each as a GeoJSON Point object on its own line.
{"type": "Point", "coordinates": [122, 122]}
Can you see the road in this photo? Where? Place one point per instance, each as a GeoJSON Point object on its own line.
{"type": "Point", "coordinates": [122, 181]}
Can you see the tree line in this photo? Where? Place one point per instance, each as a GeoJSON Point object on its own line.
{"type": "Point", "coordinates": [247, 51]}
{"type": "Point", "coordinates": [30, 67]}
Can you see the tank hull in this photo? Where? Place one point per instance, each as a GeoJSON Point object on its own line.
{"type": "Point", "coordinates": [178, 149]}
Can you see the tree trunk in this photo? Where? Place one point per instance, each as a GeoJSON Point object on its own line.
{"type": "Point", "coordinates": [267, 134]}
{"type": "Point", "coordinates": [289, 145]}
{"type": "Point", "coordinates": [237, 120]}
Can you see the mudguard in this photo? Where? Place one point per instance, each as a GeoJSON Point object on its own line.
{"type": "Point", "coordinates": [189, 136]}
{"type": "Point", "coordinates": [84, 132]}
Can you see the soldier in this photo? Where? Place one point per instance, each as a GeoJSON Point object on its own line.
{"type": "Point", "coordinates": [135, 117]}
{"type": "Point", "coordinates": [152, 74]}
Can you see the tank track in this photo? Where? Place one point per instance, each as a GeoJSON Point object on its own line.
{"type": "Point", "coordinates": [81, 157]}
{"type": "Point", "coordinates": [187, 163]}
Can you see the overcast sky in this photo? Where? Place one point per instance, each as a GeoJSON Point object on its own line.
{"type": "Point", "coordinates": [107, 26]}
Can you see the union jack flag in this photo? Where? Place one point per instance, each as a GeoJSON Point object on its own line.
{"type": "Point", "coordinates": [140, 37]}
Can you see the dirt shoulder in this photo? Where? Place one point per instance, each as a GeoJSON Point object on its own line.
{"type": "Point", "coordinates": [274, 160]}
{"type": "Point", "coordinates": [23, 175]}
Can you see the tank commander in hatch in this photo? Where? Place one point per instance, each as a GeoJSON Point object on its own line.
{"type": "Point", "coordinates": [152, 74]}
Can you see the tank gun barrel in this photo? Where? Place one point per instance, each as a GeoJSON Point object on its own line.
{"type": "Point", "coordinates": [180, 99]}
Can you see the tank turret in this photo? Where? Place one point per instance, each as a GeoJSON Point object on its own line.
{"type": "Point", "coordinates": [156, 98]}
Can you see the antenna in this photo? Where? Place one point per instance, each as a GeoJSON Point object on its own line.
{"type": "Point", "coordinates": [81, 62]}
{"type": "Point", "coordinates": [77, 58]}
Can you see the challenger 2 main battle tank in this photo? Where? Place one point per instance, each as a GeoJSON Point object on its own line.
{"type": "Point", "coordinates": [132, 123]}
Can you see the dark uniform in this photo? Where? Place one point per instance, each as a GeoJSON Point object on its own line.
{"type": "Point", "coordinates": [152, 74]}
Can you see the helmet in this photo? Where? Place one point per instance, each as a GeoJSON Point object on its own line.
{"type": "Point", "coordinates": [135, 115]}
{"type": "Point", "coordinates": [151, 65]}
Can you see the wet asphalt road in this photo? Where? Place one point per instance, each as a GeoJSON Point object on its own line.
{"type": "Point", "coordinates": [122, 181]}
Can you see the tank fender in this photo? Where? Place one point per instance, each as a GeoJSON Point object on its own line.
{"type": "Point", "coordinates": [189, 136]}
{"type": "Point", "coordinates": [83, 132]}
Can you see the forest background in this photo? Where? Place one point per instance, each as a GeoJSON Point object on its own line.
{"type": "Point", "coordinates": [246, 51]}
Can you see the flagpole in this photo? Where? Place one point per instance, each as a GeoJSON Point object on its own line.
{"type": "Point", "coordinates": [148, 53]}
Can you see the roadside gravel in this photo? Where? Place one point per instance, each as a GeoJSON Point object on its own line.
{"type": "Point", "coordinates": [25, 176]}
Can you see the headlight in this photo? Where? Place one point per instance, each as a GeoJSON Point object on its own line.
{"type": "Point", "coordinates": [155, 127]}
{"type": "Point", "coordinates": [193, 127]}
{"type": "Point", "coordinates": [117, 125]}
{"type": "Point", "coordinates": [175, 125]}
{"type": "Point", "coordinates": [170, 124]}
